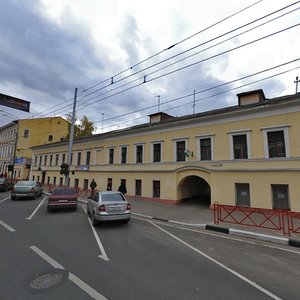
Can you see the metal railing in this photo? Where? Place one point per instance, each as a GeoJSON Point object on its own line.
{"type": "Point", "coordinates": [282, 220]}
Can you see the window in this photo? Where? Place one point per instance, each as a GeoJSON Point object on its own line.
{"type": "Point", "coordinates": [111, 156]}
{"type": "Point", "coordinates": [157, 152]}
{"type": "Point", "coordinates": [71, 160]}
{"type": "Point", "coordinates": [76, 183]}
{"type": "Point", "coordinates": [109, 184]}
{"type": "Point", "coordinates": [180, 150]}
{"type": "Point", "coordinates": [280, 194]}
{"type": "Point", "coordinates": [48, 180]}
{"type": "Point", "coordinates": [61, 180]}
{"type": "Point", "coordinates": [51, 158]}
{"type": "Point", "coordinates": [139, 154]}
{"type": "Point", "coordinates": [85, 184]}
{"type": "Point", "coordinates": [205, 149]}
{"type": "Point", "coordinates": [50, 138]}
{"type": "Point", "coordinates": [242, 194]}
{"type": "Point", "coordinates": [35, 161]}
{"type": "Point", "coordinates": [45, 160]}
{"type": "Point", "coordinates": [239, 142]}
{"type": "Point", "coordinates": [26, 133]}
{"type": "Point", "coordinates": [123, 155]}
{"type": "Point", "coordinates": [276, 143]}
{"type": "Point", "coordinates": [40, 161]}
{"type": "Point", "coordinates": [56, 159]}
{"type": "Point", "coordinates": [78, 158]}
{"type": "Point", "coordinates": [240, 146]}
{"type": "Point", "coordinates": [156, 188]}
{"type": "Point", "coordinates": [54, 181]}
{"type": "Point", "coordinates": [88, 158]}
{"type": "Point", "coordinates": [63, 158]}
{"type": "Point", "coordinates": [138, 187]}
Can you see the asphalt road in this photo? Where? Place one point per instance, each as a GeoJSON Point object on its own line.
{"type": "Point", "coordinates": [59, 255]}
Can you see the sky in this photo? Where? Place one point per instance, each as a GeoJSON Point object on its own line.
{"type": "Point", "coordinates": [131, 58]}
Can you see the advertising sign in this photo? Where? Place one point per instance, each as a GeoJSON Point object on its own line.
{"type": "Point", "coordinates": [13, 102]}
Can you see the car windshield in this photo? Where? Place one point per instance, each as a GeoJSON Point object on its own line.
{"type": "Point", "coordinates": [112, 197]}
{"type": "Point", "coordinates": [2, 179]}
{"type": "Point", "coordinates": [64, 192]}
{"type": "Point", "coordinates": [25, 183]}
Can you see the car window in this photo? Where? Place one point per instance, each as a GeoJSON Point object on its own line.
{"type": "Point", "coordinates": [25, 183]}
{"type": "Point", "coordinates": [2, 179]}
{"type": "Point", "coordinates": [112, 197]}
{"type": "Point", "coordinates": [96, 197]}
{"type": "Point", "coordinates": [64, 192]}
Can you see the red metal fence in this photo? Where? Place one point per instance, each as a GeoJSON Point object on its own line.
{"type": "Point", "coordinates": [286, 221]}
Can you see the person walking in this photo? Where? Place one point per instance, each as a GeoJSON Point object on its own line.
{"type": "Point", "coordinates": [122, 188]}
{"type": "Point", "coordinates": [93, 185]}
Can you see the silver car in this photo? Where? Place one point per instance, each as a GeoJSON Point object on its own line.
{"type": "Point", "coordinates": [108, 206]}
{"type": "Point", "coordinates": [26, 189]}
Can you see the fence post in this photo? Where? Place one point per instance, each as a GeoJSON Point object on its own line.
{"type": "Point", "coordinates": [216, 213]}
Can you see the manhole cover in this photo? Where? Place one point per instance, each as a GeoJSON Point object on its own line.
{"type": "Point", "coordinates": [44, 281]}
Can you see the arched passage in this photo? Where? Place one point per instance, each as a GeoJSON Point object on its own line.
{"type": "Point", "coordinates": [194, 189]}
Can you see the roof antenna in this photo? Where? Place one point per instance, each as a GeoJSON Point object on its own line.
{"type": "Point", "coordinates": [297, 81]}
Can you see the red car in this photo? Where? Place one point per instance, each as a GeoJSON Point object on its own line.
{"type": "Point", "coordinates": [63, 197]}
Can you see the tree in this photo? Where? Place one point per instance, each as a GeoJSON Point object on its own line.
{"type": "Point", "coordinates": [84, 128]}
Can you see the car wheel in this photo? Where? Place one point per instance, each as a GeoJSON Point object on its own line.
{"type": "Point", "coordinates": [93, 220]}
{"type": "Point", "coordinates": [13, 197]}
{"type": "Point", "coordinates": [49, 209]}
{"type": "Point", "coordinates": [6, 189]}
{"type": "Point", "coordinates": [34, 196]}
{"type": "Point", "coordinates": [126, 221]}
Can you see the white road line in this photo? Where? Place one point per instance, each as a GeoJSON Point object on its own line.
{"type": "Point", "coordinates": [102, 250]}
{"type": "Point", "coordinates": [47, 258]}
{"type": "Point", "coordinates": [82, 285]}
{"type": "Point", "coordinates": [30, 217]}
{"type": "Point", "coordinates": [219, 264]}
{"type": "Point", "coordinates": [7, 226]}
{"type": "Point", "coordinates": [5, 199]}
{"type": "Point", "coordinates": [89, 290]}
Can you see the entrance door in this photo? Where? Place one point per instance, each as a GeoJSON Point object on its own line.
{"type": "Point", "coordinates": [242, 194]}
{"type": "Point", "coordinates": [280, 196]}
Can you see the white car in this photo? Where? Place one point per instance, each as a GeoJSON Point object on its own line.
{"type": "Point", "coordinates": [108, 206]}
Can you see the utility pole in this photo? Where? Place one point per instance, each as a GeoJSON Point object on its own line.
{"type": "Point", "coordinates": [194, 103]}
{"type": "Point", "coordinates": [71, 137]}
{"type": "Point", "coordinates": [102, 121]}
{"type": "Point", "coordinates": [297, 81]}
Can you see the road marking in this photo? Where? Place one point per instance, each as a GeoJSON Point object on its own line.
{"type": "Point", "coordinates": [7, 226]}
{"type": "Point", "coordinates": [89, 290]}
{"type": "Point", "coordinates": [81, 284]}
{"type": "Point", "coordinates": [219, 264]}
{"type": "Point", "coordinates": [46, 257]}
{"type": "Point", "coordinates": [4, 199]}
{"type": "Point", "coordinates": [30, 217]}
{"type": "Point", "coordinates": [102, 250]}
{"type": "Point", "coordinates": [226, 237]}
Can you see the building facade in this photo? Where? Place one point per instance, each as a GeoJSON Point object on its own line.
{"type": "Point", "coordinates": [247, 155]}
{"type": "Point", "coordinates": [17, 137]}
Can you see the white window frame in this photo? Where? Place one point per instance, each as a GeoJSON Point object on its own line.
{"type": "Point", "coordinates": [185, 140]}
{"type": "Point", "coordinates": [108, 151]}
{"type": "Point", "coordinates": [152, 151]}
{"type": "Point", "coordinates": [231, 134]}
{"type": "Point", "coordinates": [284, 128]}
{"type": "Point", "coordinates": [143, 154]}
{"type": "Point", "coordinates": [201, 137]}
{"type": "Point", "coordinates": [120, 154]}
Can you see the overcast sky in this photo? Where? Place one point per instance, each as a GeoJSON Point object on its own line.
{"type": "Point", "coordinates": [119, 55]}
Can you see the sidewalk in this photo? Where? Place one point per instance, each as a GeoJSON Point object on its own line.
{"type": "Point", "coordinates": [197, 215]}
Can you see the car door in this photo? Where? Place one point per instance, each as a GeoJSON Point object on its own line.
{"type": "Point", "coordinates": [93, 202]}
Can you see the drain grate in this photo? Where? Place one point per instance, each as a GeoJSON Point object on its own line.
{"type": "Point", "coordinates": [44, 281]}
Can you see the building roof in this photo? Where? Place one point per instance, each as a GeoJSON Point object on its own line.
{"type": "Point", "coordinates": [198, 117]}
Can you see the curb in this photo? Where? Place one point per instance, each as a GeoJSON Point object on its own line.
{"type": "Point", "coordinates": [242, 233]}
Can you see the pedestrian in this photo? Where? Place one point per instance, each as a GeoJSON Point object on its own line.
{"type": "Point", "coordinates": [122, 188]}
{"type": "Point", "coordinates": [93, 185]}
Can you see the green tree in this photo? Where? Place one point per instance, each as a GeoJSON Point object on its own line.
{"type": "Point", "coordinates": [83, 128]}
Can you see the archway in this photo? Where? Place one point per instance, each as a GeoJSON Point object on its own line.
{"type": "Point", "coordinates": [194, 189]}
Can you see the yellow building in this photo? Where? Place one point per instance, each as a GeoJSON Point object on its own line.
{"type": "Point", "coordinates": [248, 154]}
{"type": "Point", "coordinates": [19, 136]}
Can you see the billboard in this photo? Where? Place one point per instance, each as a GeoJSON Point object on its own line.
{"type": "Point", "coordinates": [13, 102]}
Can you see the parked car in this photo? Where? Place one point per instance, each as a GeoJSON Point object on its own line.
{"type": "Point", "coordinates": [6, 184]}
{"type": "Point", "coordinates": [26, 189]}
{"type": "Point", "coordinates": [108, 206]}
{"type": "Point", "coordinates": [63, 197]}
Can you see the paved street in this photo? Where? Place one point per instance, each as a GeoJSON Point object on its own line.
{"type": "Point", "coordinates": [60, 255]}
